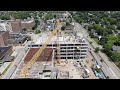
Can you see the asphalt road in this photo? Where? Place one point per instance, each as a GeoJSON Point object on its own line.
{"type": "Point", "coordinates": [14, 65]}
{"type": "Point", "coordinates": [108, 67]}
{"type": "Point", "coordinates": [105, 68]}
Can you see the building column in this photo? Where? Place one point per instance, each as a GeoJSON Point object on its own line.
{"type": "Point", "coordinates": [53, 58]}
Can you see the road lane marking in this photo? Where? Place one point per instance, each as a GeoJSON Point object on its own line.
{"type": "Point", "coordinates": [113, 73]}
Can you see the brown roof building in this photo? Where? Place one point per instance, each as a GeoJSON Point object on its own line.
{"type": "Point", "coordinates": [4, 36]}
{"type": "Point", "coordinates": [46, 55]}
{"type": "Point", "coordinates": [28, 24]}
{"type": "Point", "coordinates": [16, 26]}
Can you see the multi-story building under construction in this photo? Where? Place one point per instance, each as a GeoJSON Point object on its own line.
{"type": "Point", "coordinates": [65, 46]}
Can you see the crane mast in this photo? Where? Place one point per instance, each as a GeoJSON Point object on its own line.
{"type": "Point", "coordinates": [24, 70]}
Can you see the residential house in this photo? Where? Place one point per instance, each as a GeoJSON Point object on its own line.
{"type": "Point", "coordinates": [116, 48]}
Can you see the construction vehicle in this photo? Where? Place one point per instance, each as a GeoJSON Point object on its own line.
{"type": "Point", "coordinates": [24, 71]}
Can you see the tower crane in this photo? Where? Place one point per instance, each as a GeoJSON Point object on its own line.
{"type": "Point", "coordinates": [24, 70]}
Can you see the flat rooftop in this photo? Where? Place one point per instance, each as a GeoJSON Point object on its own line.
{"type": "Point", "coordinates": [46, 55]}
{"type": "Point", "coordinates": [7, 59]}
{"type": "Point", "coordinates": [65, 39]}
{"type": "Point", "coordinates": [3, 50]}
{"type": "Point", "coordinates": [27, 21]}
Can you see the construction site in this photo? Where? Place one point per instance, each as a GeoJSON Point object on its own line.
{"type": "Point", "coordinates": [57, 55]}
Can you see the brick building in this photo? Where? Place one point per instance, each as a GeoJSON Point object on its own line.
{"type": "Point", "coordinates": [28, 24]}
{"type": "Point", "coordinates": [16, 26]}
{"type": "Point", "coordinates": [4, 36]}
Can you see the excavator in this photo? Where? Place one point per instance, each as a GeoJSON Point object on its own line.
{"type": "Point", "coordinates": [24, 70]}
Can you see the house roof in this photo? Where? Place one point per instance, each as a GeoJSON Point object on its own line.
{"type": "Point", "coordinates": [115, 48]}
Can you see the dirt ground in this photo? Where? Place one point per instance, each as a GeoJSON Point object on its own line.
{"type": "Point", "coordinates": [73, 71]}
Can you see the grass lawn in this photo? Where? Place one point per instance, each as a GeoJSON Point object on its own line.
{"type": "Point", "coordinates": [117, 64]}
{"type": "Point", "coordinates": [6, 69]}
{"type": "Point", "coordinates": [96, 40]}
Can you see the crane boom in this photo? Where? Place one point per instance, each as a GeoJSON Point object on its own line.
{"type": "Point", "coordinates": [37, 55]}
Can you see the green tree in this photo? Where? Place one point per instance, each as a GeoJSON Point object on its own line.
{"type": "Point", "coordinates": [97, 26]}
{"type": "Point", "coordinates": [49, 16]}
{"type": "Point", "coordinates": [6, 17]}
{"type": "Point", "coordinates": [55, 16]}
{"type": "Point", "coordinates": [37, 32]}
{"type": "Point", "coordinates": [102, 41]}
{"type": "Point", "coordinates": [113, 21]}
{"type": "Point", "coordinates": [91, 35]}
{"type": "Point", "coordinates": [96, 50]}
{"type": "Point", "coordinates": [34, 27]}
{"type": "Point", "coordinates": [70, 20]}
{"type": "Point", "coordinates": [67, 23]}
{"type": "Point", "coordinates": [108, 45]}
{"type": "Point", "coordinates": [90, 27]}
{"type": "Point", "coordinates": [98, 70]}
{"type": "Point", "coordinates": [37, 22]}
{"type": "Point", "coordinates": [115, 56]}
{"type": "Point", "coordinates": [91, 42]}
{"type": "Point", "coordinates": [28, 38]}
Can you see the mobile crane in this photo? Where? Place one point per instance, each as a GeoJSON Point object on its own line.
{"type": "Point", "coordinates": [24, 70]}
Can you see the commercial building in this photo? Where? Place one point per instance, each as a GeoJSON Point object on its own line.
{"type": "Point", "coordinates": [16, 39]}
{"type": "Point", "coordinates": [4, 26]}
{"type": "Point", "coordinates": [6, 59]}
{"type": "Point", "coordinates": [16, 26]}
{"type": "Point", "coordinates": [13, 26]}
{"type": "Point", "coordinates": [28, 24]}
{"type": "Point", "coordinates": [5, 51]}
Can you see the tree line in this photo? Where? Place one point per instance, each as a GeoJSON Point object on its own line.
{"type": "Point", "coordinates": [105, 24]}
